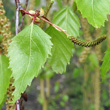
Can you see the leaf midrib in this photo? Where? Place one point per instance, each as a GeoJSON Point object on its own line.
{"type": "Point", "coordinates": [93, 12]}
{"type": "Point", "coordinates": [29, 56]}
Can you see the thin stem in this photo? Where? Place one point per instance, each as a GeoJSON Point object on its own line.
{"type": "Point", "coordinates": [17, 16]}
{"type": "Point", "coordinates": [42, 92]}
{"type": "Point", "coordinates": [26, 12]}
{"type": "Point", "coordinates": [73, 39]}
{"type": "Point", "coordinates": [48, 87]}
{"type": "Point", "coordinates": [16, 31]}
{"type": "Point", "coordinates": [22, 20]}
{"type": "Point", "coordinates": [48, 6]}
{"type": "Point", "coordinates": [18, 104]}
{"type": "Point", "coordinates": [57, 27]}
{"type": "Point", "coordinates": [36, 15]}
{"type": "Point", "coordinates": [17, 20]}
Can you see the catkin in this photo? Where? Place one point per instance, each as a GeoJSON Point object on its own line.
{"type": "Point", "coordinates": [4, 29]}
{"type": "Point", "coordinates": [5, 32]}
{"type": "Point", "coordinates": [88, 43]}
{"type": "Point", "coordinates": [10, 106]}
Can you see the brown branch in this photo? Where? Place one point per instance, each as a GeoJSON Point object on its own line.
{"type": "Point", "coordinates": [43, 18]}
{"type": "Point", "coordinates": [57, 27]}
{"type": "Point", "coordinates": [73, 39]}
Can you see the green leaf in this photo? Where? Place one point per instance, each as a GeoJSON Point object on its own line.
{"type": "Point", "coordinates": [61, 51]}
{"type": "Point", "coordinates": [5, 74]}
{"type": "Point", "coordinates": [37, 3]}
{"type": "Point", "coordinates": [28, 53]}
{"type": "Point", "coordinates": [60, 5]}
{"type": "Point", "coordinates": [3, 101]}
{"type": "Point", "coordinates": [67, 20]}
{"type": "Point", "coordinates": [94, 10]}
{"type": "Point", "coordinates": [106, 63]}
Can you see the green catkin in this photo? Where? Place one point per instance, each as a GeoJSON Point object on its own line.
{"type": "Point", "coordinates": [88, 43]}
{"type": "Point", "coordinates": [4, 28]}
{"type": "Point", "coordinates": [10, 90]}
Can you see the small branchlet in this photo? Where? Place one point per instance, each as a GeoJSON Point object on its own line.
{"type": "Point", "coordinates": [73, 39]}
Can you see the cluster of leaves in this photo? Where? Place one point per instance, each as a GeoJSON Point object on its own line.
{"type": "Point", "coordinates": [32, 47]}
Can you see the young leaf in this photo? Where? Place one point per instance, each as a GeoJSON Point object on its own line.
{"type": "Point", "coordinates": [106, 63]}
{"type": "Point", "coordinates": [67, 20]}
{"type": "Point", "coordinates": [28, 52]}
{"type": "Point", "coordinates": [5, 74]}
{"type": "Point", "coordinates": [61, 51]}
{"type": "Point", "coordinates": [94, 10]}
